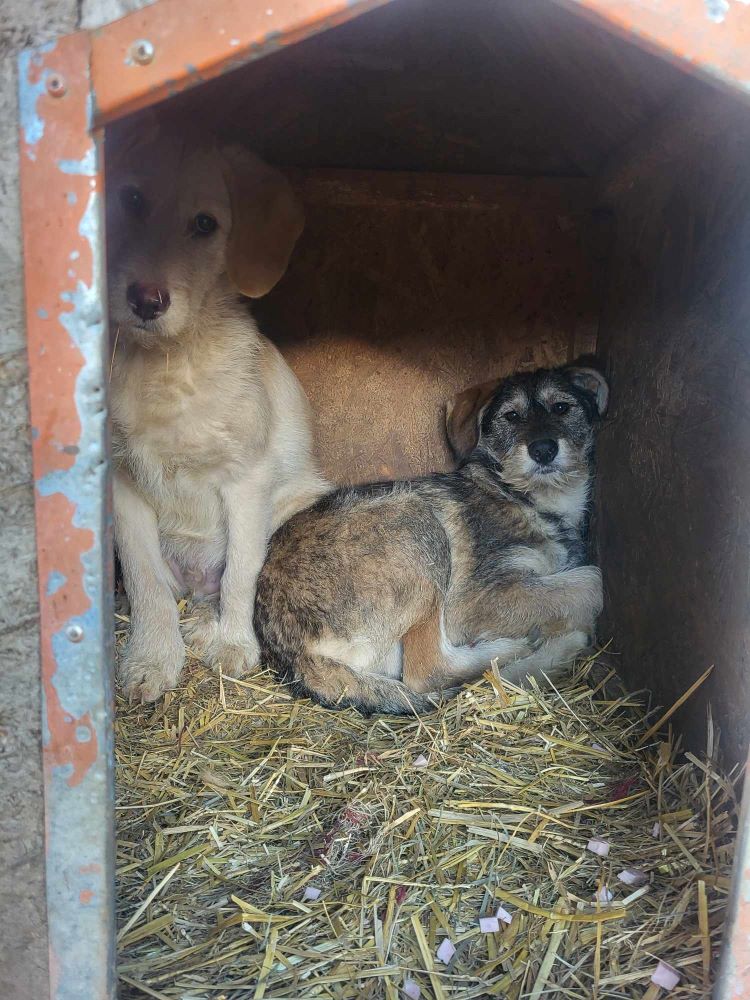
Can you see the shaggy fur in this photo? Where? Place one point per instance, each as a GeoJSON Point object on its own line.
{"type": "Point", "coordinates": [381, 595]}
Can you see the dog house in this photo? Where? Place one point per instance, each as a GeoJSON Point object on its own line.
{"type": "Point", "coordinates": [488, 184]}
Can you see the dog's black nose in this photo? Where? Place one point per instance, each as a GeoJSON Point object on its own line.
{"type": "Point", "coordinates": [543, 451]}
{"type": "Point", "coordinates": [147, 301]}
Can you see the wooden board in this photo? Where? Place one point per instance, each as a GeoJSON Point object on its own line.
{"type": "Point", "coordinates": [674, 459]}
{"type": "Point", "coordinates": [406, 288]}
{"type": "Point", "coordinates": [462, 86]}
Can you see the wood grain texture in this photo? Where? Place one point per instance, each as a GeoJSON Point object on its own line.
{"type": "Point", "coordinates": [406, 289]}
{"type": "Point", "coordinates": [458, 86]}
{"type": "Point", "coordinates": [674, 459]}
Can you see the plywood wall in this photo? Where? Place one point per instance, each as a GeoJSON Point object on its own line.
{"type": "Point", "coordinates": [674, 510]}
{"type": "Point", "coordinates": [407, 288]}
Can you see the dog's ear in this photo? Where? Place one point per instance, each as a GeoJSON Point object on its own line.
{"type": "Point", "coordinates": [592, 382]}
{"type": "Point", "coordinates": [462, 416]}
{"type": "Point", "coordinates": [267, 220]}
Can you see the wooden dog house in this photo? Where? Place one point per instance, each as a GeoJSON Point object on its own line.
{"type": "Point", "coordinates": [488, 184]}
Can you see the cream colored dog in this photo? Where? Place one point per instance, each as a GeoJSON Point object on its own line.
{"type": "Point", "coordinates": [211, 430]}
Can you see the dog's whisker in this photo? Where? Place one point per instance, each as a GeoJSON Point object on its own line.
{"type": "Point", "coordinates": [114, 349]}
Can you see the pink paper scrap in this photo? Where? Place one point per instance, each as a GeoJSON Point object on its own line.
{"type": "Point", "coordinates": [656, 831]}
{"type": "Point", "coordinates": [599, 747]}
{"type": "Point", "coordinates": [411, 989]}
{"type": "Point", "coordinates": [489, 925]}
{"type": "Point", "coordinates": [446, 951]}
{"type": "Point", "coordinates": [311, 893]}
{"type": "Point", "coordinates": [603, 895]}
{"type": "Point", "coordinates": [666, 976]}
{"type": "Point", "coordinates": [597, 846]}
{"type": "Point", "coordinates": [502, 914]}
{"type": "Point", "coordinates": [631, 876]}
{"type": "Point", "coordinates": [420, 761]}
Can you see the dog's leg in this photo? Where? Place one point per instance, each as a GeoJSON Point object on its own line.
{"type": "Point", "coordinates": [153, 658]}
{"type": "Point", "coordinates": [551, 659]}
{"type": "Point", "coordinates": [228, 641]}
{"type": "Point", "coordinates": [335, 685]}
{"type": "Point", "coordinates": [548, 606]}
{"type": "Point", "coordinates": [431, 662]}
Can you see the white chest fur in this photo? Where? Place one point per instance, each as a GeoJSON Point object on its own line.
{"type": "Point", "coordinates": [183, 428]}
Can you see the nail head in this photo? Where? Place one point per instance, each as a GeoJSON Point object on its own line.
{"type": "Point", "coordinates": [142, 51]}
{"type": "Point", "coordinates": [55, 85]}
{"type": "Point", "coordinates": [74, 633]}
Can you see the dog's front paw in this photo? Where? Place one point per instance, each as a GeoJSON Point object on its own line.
{"type": "Point", "coordinates": [235, 655]}
{"type": "Point", "coordinates": [146, 675]}
{"type": "Point", "coordinates": [201, 630]}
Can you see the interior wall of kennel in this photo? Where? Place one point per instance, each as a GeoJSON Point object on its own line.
{"type": "Point", "coordinates": [488, 184]}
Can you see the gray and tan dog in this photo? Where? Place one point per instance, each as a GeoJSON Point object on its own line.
{"type": "Point", "coordinates": [381, 595]}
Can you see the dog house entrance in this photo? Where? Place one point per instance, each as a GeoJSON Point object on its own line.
{"type": "Point", "coordinates": [488, 186]}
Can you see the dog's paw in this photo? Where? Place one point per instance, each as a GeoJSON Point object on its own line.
{"type": "Point", "coordinates": [145, 677]}
{"type": "Point", "coordinates": [535, 639]}
{"type": "Point", "coordinates": [235, 656]}
{"type": "Point", "coordinates": [201, 631]}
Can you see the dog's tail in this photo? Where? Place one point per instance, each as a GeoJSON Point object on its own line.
{"type": "Point", "coordinates": [334, 685]}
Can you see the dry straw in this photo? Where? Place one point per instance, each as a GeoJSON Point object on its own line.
{"type": "Point", "coordinates": [269, 848]}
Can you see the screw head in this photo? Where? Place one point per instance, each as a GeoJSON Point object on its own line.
{"type": "Point", "coordinates": [74, 633]}
{"type": "Point", "coordinates": [142, 51]}
{"type": "Point", "coordinates": [55, 84]}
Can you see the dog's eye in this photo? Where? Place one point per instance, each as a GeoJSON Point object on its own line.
{"type": "Point", "coordinates": [204, 224]}
{"type": "Point", "coordinates": [133, 202]}
{"type": "Point", "coordinates": [512, 416]}
{"type": "Point", "coordinates": [560, 407]}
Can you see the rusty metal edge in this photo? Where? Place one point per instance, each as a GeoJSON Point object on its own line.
{"type": "Point", "coordinates": [232, 34]}
{"type": "Point", "coordinates": [733, 976]}
{"type": "Point", "coordinates": [61, 206]}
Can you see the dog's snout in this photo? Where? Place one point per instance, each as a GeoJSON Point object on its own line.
{"type": "Point", "coordinates": [543, 451]}
{"type": "Point", "coordinates": [147, 301]}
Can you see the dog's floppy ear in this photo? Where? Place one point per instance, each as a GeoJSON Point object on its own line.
{"type": "Point", "coordinates": [267, 220]}
{"type": "Point", "coordinates": [592, 382]}
{"type": "Point", "coordinates": [462, 415]}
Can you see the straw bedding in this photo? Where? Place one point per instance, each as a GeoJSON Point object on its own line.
{"type": "Point", "coordinates": [269, 848]}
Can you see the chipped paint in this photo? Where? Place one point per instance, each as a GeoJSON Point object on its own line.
{"type": "Point", "coordinates": [60, 188]}
{"type": "Point", "coordinates": [716, 10]}
{"type": "Point", "coordinates": [85, 166]}
{"type": "Point", "coordinates": [32, 124]}
{"type": "Point", "coordinates": [55, 580]}
{"type": "Point", "coordinates": [710, 38]}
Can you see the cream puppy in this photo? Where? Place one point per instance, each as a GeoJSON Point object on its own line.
{"type": "Point", "coordinates": [211, 432]}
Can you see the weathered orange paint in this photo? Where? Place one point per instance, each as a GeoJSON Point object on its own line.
{"type": "Point", "coordinates": [59, 187]}
{"type": "Point", "coordinates": [53, 202]}
{"type": "Point", "coordinates": [683, 32]}
{"type": "Point", "coordinates": [194, 41]}
{"type": "Point", "coordinates": [60, 546]}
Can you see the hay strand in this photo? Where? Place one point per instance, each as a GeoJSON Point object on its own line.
{"type": "Point", "coordinates": [269, 848]}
